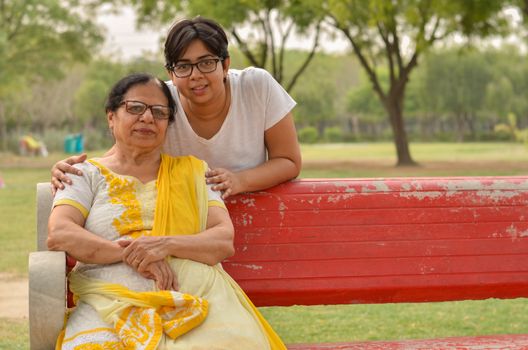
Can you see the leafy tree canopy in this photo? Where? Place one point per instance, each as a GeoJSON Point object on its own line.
{"type": "Point", "coordinates": [37, 39]}
{"type": "Point", "coordinates": [37, 36]}
{"type": "Point", "coordinates": [268, 25]}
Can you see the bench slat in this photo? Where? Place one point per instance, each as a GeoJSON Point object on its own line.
{"type": "Point", "coordinates": [391, 249]}
{"type": "Point", "coordinates": [377, 200]}
{"type": "Point", "coordinates": [498, 342]}
{"type": "Point", "coordinates": [316, 234]}
{"type": "Point", "coordinates": [314, 291]}
{"type": "Point", "coordinates": [394, 216]}
{"type": "Point", "coordinates": [407, 184]}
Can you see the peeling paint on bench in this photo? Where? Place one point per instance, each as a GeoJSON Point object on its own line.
{"type": "Point", "coordinates": [382, 240]}
{"type": "Point", "coordinates": [515, 233]}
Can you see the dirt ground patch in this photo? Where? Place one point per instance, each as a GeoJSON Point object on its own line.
{"type": "Point", "coordinates": [13, 297]}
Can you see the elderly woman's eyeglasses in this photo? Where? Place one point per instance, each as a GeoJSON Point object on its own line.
{"type": "Point", "coordinates": [184, 70]}
{"type": "Point", "coordinates": [138, 108]}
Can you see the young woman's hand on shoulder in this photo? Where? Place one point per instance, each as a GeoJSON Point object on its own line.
{"type": "Point", "coordinates": [63, 167]}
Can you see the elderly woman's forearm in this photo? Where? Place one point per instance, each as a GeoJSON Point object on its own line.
{"type": "Point", "coordinates": [81, 244]}
{"type": "Point", "coordinates": [209, 247]}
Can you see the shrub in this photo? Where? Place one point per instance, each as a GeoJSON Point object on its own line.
{"type": "Point", "coordinates": [333, 134]}
{"type": "Point", "coordinates": [308, 134]}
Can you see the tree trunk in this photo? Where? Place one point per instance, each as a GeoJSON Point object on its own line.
{"type": "Point", "coordinates": [461, 130]}
{"type": "Point", "coordinates": [3, 131]}
{"type": "Point", "coordinates": [354, 127]}
{"type": "Point", "coordinates": [321, 125]}
{"type": "Point", "coordinates": [470, 122]}
{"type": "Point", "coordinates": [394, 107]}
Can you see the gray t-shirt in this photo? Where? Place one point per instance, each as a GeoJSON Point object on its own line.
{"type": "Point", "coordinates": [257, 103]}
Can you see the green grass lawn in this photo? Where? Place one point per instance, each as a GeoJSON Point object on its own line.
{"type": "Point", "coordinates": [17, 217]}
{"type": "Point", "coordinates": [434, 159]}
{"type": "Point", "coordinates": [318, 323]}
{"type": "Point", "coordinates": [384, 152]}
{"type": "Point", "coordinates": [14, 334]}
{"type": "Point", "coordinates": [334, 323]}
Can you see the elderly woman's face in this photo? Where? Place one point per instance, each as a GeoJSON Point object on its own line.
{"type": "Point", "coordinates": [138, 127]}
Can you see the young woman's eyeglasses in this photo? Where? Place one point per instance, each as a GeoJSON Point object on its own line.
{"type": "Point", "coordinates": [184, 70]}
{"type": "Point", "coordinates": [159, 112]}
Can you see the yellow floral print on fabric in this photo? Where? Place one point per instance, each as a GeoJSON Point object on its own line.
{"type": "Point", "coordinates": [139, 328]}
{"type": "Point", "coordinates": [109, 345]}
{"type": "Point", "coordinates": [140, 318]}
{"type": "Point", "coordinates": [90, 345]}
{"type": "Point", "coordinates": [122, 191]}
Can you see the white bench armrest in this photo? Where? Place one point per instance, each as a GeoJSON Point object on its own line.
{"type": "Point", "coordinates": [47, 298]}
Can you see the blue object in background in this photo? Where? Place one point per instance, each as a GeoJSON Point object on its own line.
{"type": "Point", "coordinates": [79, 143]}
{"type": "Point", "coordinates": [74, 143]}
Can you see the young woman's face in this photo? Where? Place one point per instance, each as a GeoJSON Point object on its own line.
{"type": "Point", "coordinates": [199, 87]}
{"type": "Point", "coordinates": [138, 130]}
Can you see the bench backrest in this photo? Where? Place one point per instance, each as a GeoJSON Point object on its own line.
{"type": "Point", "coordinates": [342, 241]}
{"type": "Point", "coordinates": [333, 241]}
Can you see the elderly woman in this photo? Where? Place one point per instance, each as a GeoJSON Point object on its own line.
{"type": "Point", "coordinates": [149, 236]}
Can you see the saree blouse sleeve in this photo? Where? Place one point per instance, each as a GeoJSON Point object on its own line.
{"type": "Point", "coordinates": [80, 193]}
{"type": "Point", "coordinates": [214, 198]}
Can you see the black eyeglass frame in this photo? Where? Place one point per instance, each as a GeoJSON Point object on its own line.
{"type": "Point", "coordinates": [171, 66]}
{"type": "Point", "coordinates": [147, 106]}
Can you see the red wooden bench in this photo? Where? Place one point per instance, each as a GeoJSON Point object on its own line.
{"type": "Point", "coordinates": [351, 241]}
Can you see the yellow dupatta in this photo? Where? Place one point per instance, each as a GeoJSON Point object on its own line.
{"type": "Point", "coordinates": [182, 201]}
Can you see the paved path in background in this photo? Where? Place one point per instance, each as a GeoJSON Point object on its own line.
{"type": "Point", "coordinates": [13, 296]}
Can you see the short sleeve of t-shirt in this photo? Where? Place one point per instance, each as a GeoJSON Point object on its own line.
{"type": "Point", "coordinates": [275, 101]}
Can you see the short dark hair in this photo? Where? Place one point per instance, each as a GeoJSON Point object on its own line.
{"type": "Point", "coordinates": [118, 91]}
{"type": "Point", "coordinates": [183, 32]}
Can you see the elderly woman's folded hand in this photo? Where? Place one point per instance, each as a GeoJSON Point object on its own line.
{"type": "Point", "coordinates": [161, 272]}
{"type": "Point", "coordinates": [143, 251]}
{"type": "Point", "coordinates": [149, 265]}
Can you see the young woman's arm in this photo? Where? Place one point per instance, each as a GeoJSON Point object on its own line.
{"type": "Point", "coordinates": [283, 164]}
